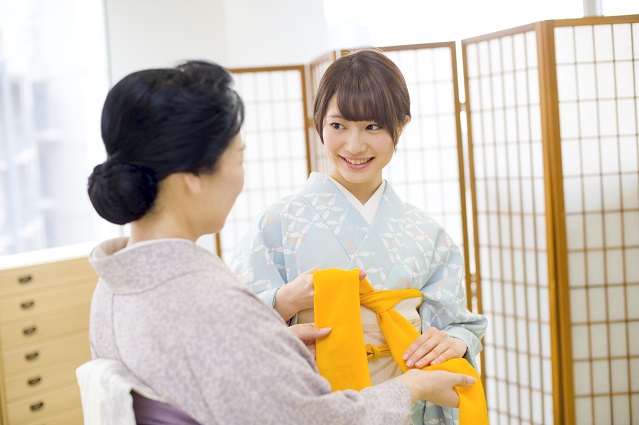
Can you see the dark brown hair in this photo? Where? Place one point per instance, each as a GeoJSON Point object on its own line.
{"type": "Point", "coordinates": [369, 87]}
{"type": "Point", "coordinates": [157, 122]}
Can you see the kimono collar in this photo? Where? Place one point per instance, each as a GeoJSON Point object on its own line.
{"type": "Point", "coordinates": [367, 210]}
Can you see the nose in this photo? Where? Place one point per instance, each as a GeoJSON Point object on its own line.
{"type": "Point", "coordinates": [354, 143]}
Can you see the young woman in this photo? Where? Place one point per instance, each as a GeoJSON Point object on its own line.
{"type": "Point", "coordinates": [352, 218]}
{"type": "Point", "coordinates": [172, 312]}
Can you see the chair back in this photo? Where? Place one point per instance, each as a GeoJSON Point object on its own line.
{"type": "Point", "coordinates": [112, 395]}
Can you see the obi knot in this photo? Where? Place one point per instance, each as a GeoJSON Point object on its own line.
{"type": "Point", "coordinates": [374, 352]}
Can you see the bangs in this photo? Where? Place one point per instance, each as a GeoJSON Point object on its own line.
{"type": "Point", "coordinates": [366, 86]}
{"type": "Point", "coordinates": [365, 102]}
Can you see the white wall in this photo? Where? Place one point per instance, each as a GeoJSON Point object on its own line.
{"type": "Point", "coordinates": [275, 32]}
{"type": "Point", "coordinates": [161, 33]}
{"type": "Point", "coordinates": [234, 33]}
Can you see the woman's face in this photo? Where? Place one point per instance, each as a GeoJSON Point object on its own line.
{"type": "Point", "coordinates": [358, 150]}
{"type": "Point", "coordinates": [222, 188]}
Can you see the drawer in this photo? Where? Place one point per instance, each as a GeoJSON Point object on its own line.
{"type": "Point", "coordinates": [42, 276]}
{"type": "Point", "coordinates": [42, 379]}
{"type": "Point", "coordinates": [38, 329]}
{"type": "Point", "coordinates": [73, 417]}
{"type": "Point", "coordinates": [25, 358]}
{"type": "Point", "coordinates": [42, 406]}
{"type": "Point", "coordinates": [26, 306]}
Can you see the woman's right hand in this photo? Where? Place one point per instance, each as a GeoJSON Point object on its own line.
{"type": "Point", "coordinates": [436, 386]}
{"type": "Point", "coordinates": [296, 295]}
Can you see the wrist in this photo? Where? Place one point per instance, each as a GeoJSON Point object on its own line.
{"type": "Point", "coordinates": [415, 385]}
{"type": "Point", "coordinates": [282, 303]}
{"type": "Point", "coordinates": [461, 347]}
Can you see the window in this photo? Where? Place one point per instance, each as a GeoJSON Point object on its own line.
{"type": "Point", "coordinates": [53, 80]}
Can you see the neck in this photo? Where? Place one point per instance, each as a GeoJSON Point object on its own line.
{"type": "Point", "coordinates": [160, 226]}
{"type": "Point", "coordinates": [362, 191]}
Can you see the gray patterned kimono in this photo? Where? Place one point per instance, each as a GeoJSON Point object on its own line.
{"type": "Point", "coordinates": [180, 321]}
{"type": "Point", "coordinates": [402, 248]}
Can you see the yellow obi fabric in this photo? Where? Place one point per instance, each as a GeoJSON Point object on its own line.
{"type": "Point", "coordinates": [381, 364]}
{"type": "Point", "coordinates": [341, 356]}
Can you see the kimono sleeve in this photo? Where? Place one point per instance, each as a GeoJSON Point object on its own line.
{"type": "Point", "coordinates": [444, 305]}
{"type": "Point", "coordinates": [258, 260]}
{"type": "Point", "coordinates": [258, 372]}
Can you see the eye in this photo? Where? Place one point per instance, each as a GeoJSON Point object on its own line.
{"type": "Point", "coordinates": [373, 127]}
{"type": "Point", "coordinates": [336, 125]}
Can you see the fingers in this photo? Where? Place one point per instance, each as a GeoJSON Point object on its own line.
{"type": "Point", "coordinates": [362, 275]}
{"type": "Point", "coordinates": [311, 270]}
{"type": "Point", "coordinates": [438, 387]}
{"type": "Point", "coordinates": [465, 381]}
{"type": "Point", "coordinates": [423, 347]}
{"type": "Point", "coordinates": [432, 347]}
{"type": "Point", "coordinates": [450, 348]}
{"type": "Point", "coordinates": [321, 332]}
{"type": "Point", "coordinates": [308, 331]}
{"type": "Point", "coordinates": [439, 358]}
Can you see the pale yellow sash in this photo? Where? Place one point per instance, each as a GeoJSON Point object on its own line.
{"type": "Point", "coordinates": [341, 357]}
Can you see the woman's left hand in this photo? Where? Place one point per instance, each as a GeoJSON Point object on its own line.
{"type": "Point", "coordinates": [308, 333]}
{"type": "Point", "coordinates": [433, 347]}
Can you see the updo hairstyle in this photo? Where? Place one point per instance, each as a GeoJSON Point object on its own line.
{"type": "Point", "coordinates": [158, 122]}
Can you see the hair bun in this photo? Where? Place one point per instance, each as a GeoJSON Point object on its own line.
{"type": "Point", "coordinates": [121, 193]}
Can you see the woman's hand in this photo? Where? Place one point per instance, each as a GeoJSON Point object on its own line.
{"type": "Point", "coordinates": [296, 295]}
{"type": "Point", "coordinates": [308, 333]}
{"type": "Point", "coordinates": [433, 347]}
{"type": "Point", "coordinates": [436, 386]}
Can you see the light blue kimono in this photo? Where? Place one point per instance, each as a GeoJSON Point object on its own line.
{"type": "Point", "coordinates": [318, 227]}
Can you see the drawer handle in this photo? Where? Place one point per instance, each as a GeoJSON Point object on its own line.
{"type": "Point", "coordinates": [27, 305]}
{"type": "Point", "coordinates": [29, 331]}
{"type": "Point", "coordinates": [31, 356]}
{"type": "Point", "coordinates": [34, 381]}
{"type": "Point", "coordinates": [37, 406]}
{"type": "Point", "coordinates": [22, 280]}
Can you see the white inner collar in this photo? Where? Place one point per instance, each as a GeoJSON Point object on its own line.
{"type": "Point", "coordinates": [369, 209]}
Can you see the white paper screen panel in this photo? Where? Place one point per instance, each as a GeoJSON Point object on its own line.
{"type": "Point", "coordinates": [319, 160]}
{"type": "Point", "coordinates": [275, 162]}
{"type": "Point", "coordinates": [598, 85]}
{"type": "Point", "coordinates": [425, 170]}
{"type": "Point", "coordinates": [508, 170]}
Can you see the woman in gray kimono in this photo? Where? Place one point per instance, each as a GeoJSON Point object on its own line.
{"type": "Point", "coordinates": [171, 311]}
{"type": "Point", "coordinates": [352, 218]}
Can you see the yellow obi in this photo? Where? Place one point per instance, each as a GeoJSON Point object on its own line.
{"type": "Point", "coordinates": [381, 364]}
{"type": "Point", "coordinates": [342, 357]}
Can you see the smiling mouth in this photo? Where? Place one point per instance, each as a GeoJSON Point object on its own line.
{"type": "Point", "coordinates": [357, 161]}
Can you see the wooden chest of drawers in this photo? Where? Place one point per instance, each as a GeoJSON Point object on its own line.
{"type": "Point", "coordinates": [44, 322]}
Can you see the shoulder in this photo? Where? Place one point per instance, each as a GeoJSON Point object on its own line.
{"type": "Point", "coordinates": [417, 215]}
{"type": "Point", "coordinates": [278, 206]}
{"type": "Point", "coordinates": [216, 292]}
{"type": "Point", "coordinates": [285, 206]}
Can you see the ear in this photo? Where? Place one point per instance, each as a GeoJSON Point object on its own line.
{"type": "Point", "coordinates": [403, 126]}
{"type": "Point", "coordinates": [191, 182]}
{"type": "Point", "coordinates": [400, 130]}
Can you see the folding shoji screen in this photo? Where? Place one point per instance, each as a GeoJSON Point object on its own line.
{"type": "Point", "coordinates": [276, 157]}
{"type": "Point", "coordinates": [427, 170]}
{"type": "Point", "coordinates": [319, 161]}
{"type": "Point", "coordinates": [510, 242]}
{"type": "Point", "coordinates": [552, 117]}
{"type": "Point", "coordinates": [595, 161]}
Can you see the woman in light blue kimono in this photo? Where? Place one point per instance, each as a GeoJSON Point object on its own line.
{"type": "Point", "coordinates": [352, 218]}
